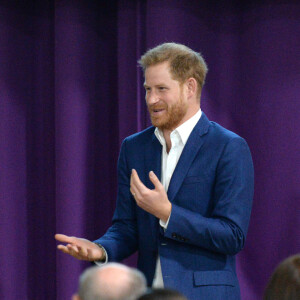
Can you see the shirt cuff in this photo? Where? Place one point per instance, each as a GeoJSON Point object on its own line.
{"type": "Point", "coordinates": [101, 262]}
{"type": "Point", "coordinates": [163, 224]}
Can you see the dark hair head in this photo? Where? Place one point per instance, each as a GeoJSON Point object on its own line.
{"type": "Point", "coordinates": [284, 283]}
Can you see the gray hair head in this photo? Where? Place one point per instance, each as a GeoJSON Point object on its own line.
{"type": "Point", "coordinates": [112, 281]}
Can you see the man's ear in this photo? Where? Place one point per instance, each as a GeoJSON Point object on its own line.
{"type": "Point", "coordinates": [76, 297]}
{"type": "Point", "coordinates": [191, 84]}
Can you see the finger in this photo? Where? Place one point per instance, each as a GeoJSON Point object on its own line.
{"type": "Point", "coordinates": [82, 251]}
{"type": "Point", "coordinates": [63, 249]}
{"type": "Point", "coordinates": [157, 184]}
{"type": "Point", "coordinates": [136, 194]}
{"type": "Point", "coordinates": [89, 254]}
{"type": "Point", "coordinates": [132, 191]}
{"type": "Point", "coordinates": [135, 177]}
{"type": "Point", "coordinates": [67, 250]}
{"type": "Point", "coordinates": [136, 182]}
{"type": "Point", "coordinates": [73, 249]}
{"type": "Point", "coordinates": [63, 238]}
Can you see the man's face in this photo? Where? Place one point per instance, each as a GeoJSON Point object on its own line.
{"type": "Point", "coordinates": [165, 99]}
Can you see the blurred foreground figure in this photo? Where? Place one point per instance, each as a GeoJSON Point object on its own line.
{"type": "Point", "coordinates": [284, 283]}
{"type": "Point", "coordinates": [111, 282]}
{"type": "Point", "coordinates": [162, 294]}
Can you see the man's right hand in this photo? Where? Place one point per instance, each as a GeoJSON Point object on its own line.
{"type": "Point", "coordinates": [80, 248]}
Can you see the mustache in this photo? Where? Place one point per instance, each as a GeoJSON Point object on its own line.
{"type": "Point", "coordinates": [158, 105]}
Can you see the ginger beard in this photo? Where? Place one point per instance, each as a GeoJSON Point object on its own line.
{"type": "Point", "coordinates": [171, 116]}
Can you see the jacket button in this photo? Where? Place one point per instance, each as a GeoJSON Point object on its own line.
{"type": "Point", "coordinates": [174, 235]}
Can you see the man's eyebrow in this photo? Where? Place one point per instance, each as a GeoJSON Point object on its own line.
{"type": "Point", "coordinates": [157, 85]}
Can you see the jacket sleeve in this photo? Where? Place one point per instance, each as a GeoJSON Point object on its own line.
{"type": "Point", "coordinates": [224, 231]}
{"type": "Point", "coordinates": [120, 240]}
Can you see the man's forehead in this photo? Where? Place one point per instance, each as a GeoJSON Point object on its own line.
{"type": "Point", "coordinates": [159, 67]}
{"type": "Point", "coordinates": [157, 73]}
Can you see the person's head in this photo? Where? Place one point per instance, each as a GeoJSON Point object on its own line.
{"type": "Point", "coordinates": [184, 63]}
{"type": "Point", "coordinates": [112, 281]}
{"type": "Point", "coordinates": [174, 77]}
{"type": "Point", "coordinates": [162, 294]}
{"type": "Point", "coordinates": [284, 283]}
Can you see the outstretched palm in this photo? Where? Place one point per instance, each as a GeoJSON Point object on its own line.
{"type": "Point", "coordinates": [79, 248]}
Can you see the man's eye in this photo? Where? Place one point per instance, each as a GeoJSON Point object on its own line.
{"type": "Point", "coordinates": [162, 88]}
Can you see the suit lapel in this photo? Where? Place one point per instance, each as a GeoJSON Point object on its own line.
{"type": "Point", "coordinates": [192, 147]}
{"type": "Point", "coordinates": [153, 163]}
{"type": "Point", "coordinates": [152, 159]}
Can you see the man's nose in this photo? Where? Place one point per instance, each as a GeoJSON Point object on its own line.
{"type": "Point", "coordinates": [152, 98]}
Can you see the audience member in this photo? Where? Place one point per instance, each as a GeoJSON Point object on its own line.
{"type": "Point", "coordinates": [284, 283]}
{"type": "Point", "coordinates": [112, 281]}
{"type": "Point", "coordinates": [162, 294]}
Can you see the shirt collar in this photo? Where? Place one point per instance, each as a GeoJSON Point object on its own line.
{"type": "Point", "coordinates": [184, 130]}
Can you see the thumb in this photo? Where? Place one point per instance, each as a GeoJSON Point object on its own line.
{"type": "Point", "coordinates": [155, 180]}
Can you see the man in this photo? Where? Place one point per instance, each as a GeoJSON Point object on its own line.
{"type": "Point", "coordinates": [185, 187]}
{"type": "Point", "coordinates": [111, 282]}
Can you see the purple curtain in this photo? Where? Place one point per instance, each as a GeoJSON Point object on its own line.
{"type": "Point", "coordinates": [70, 91]}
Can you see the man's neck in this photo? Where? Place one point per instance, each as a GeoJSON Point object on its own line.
{"type": "Point", "coordinates": [167, 132]}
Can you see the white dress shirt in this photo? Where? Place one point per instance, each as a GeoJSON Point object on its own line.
{"type": "Point", "coordinates": [179, 137]}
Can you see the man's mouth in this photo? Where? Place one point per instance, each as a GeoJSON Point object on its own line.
{"type": "Point", "coordinates": [156, 112]}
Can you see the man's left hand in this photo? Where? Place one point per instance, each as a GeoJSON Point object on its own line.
{"type": "Point", "coordinates": [155, 201]}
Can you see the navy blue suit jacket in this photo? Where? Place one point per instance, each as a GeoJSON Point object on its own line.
{"type": "Point", "coordinates": [211, 191]}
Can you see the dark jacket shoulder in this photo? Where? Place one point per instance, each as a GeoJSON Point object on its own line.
{"type": "Point", "coordinates": [142, 136]}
